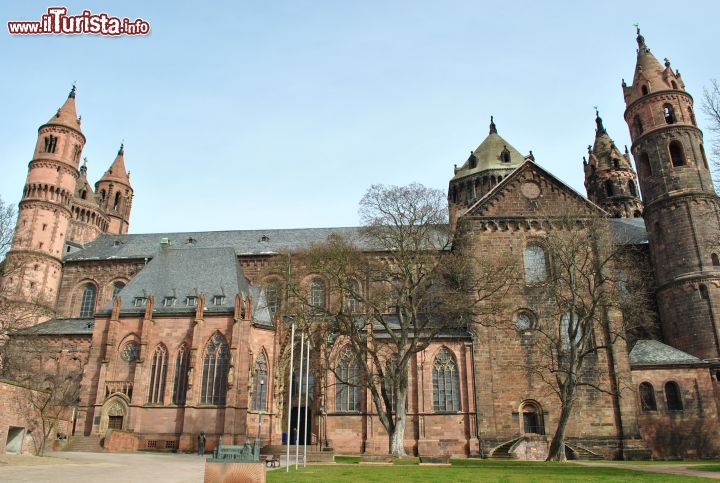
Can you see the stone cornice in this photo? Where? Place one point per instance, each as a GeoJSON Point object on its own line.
{"type": "Point", "coordinates": [54, 163]}
{"type": "Point", "coordinates": [665, 131]}
{"type": "Point", "coordinates": [35, 255]}
{"type": "Point", "coordinates": [667, 93]}
{"type": "Point", "coordinates": [675, 198]}
{"type": "Point", "coordinates": [49, 205]}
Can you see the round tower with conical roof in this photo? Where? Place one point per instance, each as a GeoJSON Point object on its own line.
{"type": "Point", "coordinates": [486, 166]}
{"type": "Point", "coordinates": [610, 180]}
{"type": "Point", "coordinates": [34, 262]}
{"type": "Point", "coordinates": [115, 194]}
{"type": "Point", "coordinates": [681, 207]}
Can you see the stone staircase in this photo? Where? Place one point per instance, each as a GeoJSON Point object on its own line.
{"type": "Point", "coordinates": [87, 444]}
{"type": "Point", "coordinates": [573, 452]}
{"type": "Point", "coordinates": [502, 452]}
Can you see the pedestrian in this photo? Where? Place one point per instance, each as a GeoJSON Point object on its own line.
{"type": "Point", "coordinates": [201, 443]}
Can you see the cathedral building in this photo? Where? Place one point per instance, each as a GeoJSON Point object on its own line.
{"type": "Point", "coordinates": [179, 332]}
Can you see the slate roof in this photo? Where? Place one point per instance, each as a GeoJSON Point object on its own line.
{"type": "Point", "coordinates": [61, 327]}
{"type": "Point", "coordinates": [184, 272]}
{"type": "Point", "coordinates": [629, 231]}
{"type": "Point", "coordinates": [654, 353]}
{"type": "Point", "coordinates": [244, 242]}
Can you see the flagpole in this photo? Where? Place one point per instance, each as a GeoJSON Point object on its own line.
{"type": "Point", "coordinates": [297, 419]}
{"type": "Point", "coordinates": [287, 436]}
{"type": "Point", "coordinates": [307, 390]}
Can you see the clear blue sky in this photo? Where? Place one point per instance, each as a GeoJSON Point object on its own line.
{"type": "Point", "coordinates": [275, 114]}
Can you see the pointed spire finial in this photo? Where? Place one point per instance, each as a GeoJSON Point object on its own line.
{"type": "Point", "coordinates": [493, 128]}
{"type": "Point", "coordinates": [121, 151]}
{"type": "Point", "coordinates": [72, 91]}
{"type": "Point", "coordinates": [83, 168]}
{"type": "Point", "coordinates": [600, 129]}
{"type": "Point", "coordinates": [667, 62]}
{"type": "Point", "coordinates": [641, 40]}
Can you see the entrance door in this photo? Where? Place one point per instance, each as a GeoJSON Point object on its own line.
{"type": "Point", "coordinates": [299, 425]}
{"type": "Point", "coordinates": [14, 440]}
{"type": "Point", "coordinates": [115, 422]}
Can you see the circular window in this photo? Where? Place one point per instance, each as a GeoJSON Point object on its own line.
{"type": "Point", "coordinates": [530, 190]}
{"type": "Point", "coordinates": [523, 322]}
{"type": "Point", "coordinates": [131, 352]}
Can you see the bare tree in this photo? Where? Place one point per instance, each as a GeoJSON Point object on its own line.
{"type": "Point", "coordinates": [711, 108]}
{"type": "Point", "coordinates": [50, 370]}
{"type": "Point", "coordinates": [586, 282]}
{"type": "Point", "coordinates": [390, 294]}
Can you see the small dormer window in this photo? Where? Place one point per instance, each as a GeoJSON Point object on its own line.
{"type": "Point", "coordinates": [505, 155]}
{"type": "Point", "coordinates": [191, 301]}
{"type": "Point", "coordinates": [168, 301]}
{"type": "Point", "coordinates": [264, 238]}
{"type": "Point", "coordinates": [191, 241]}
{"type": "Point", "coordinates": [644, 90]}
{"type": "Point", "coordinates": [219, 300]}
{"type": "Point", "coordinates": [140, 301]}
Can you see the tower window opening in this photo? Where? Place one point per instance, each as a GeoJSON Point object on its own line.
{"type": "Point", "coordinates": [644, 90]}
{"type": "Point", "coordinates": [677, 156]}
{"type": "Point", "coordinates": [505, 155]}
{"type": "Point", "coordinates": [704, 292]}
{"type": "Point", "coordinates": [616, 163]}
{"type": "Point", "coordinates": [117, 201]}
{"type": "Point", "coordinates": [715, 260]}
{"type": "Point", "coordinates": [50, 143]}
{"type": "Point", "coordinates": [669, 114]}
{"type": "Point", "coordinates": [644, 165]}
{"type": "Point", "coordinates": [674, 84]}
{"type": "Point", "coordinates": [704, 158]}
{"type": "Point", "coordinates": [631, 188]}
{"type": "Point", "coordinates": [638, 125]}
{"type": "Point", "coordinates": [692, 115]}
{"type": "Point", "coordinates": [609, 188]}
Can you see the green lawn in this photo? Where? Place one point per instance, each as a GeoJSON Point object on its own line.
{"type": "Point", "coordinates": [496, 471]}
{"type": "Point", "coordinates": [714, 467]}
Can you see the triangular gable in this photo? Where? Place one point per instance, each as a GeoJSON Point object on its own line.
{"type": "Point", "coordinates": [529, 191]}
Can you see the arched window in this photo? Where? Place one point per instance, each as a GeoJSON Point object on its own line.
{"type": "Point", "coordinates": [272, 297]}
{"type": "Point", "coordinates": [570, 330]}
{"type": "Point", "coordinates": [505, 155]}
{"type": "Point", "coordinates": [259, 401]}
{"type": "Point", "coordinates": [117, 287]}
{"type": "Point", "coordinates": [446, 394]}
{"type": "Point", "coordinates": [87, 305]}
{"type": "Point", "coordinates": [644, 90]}
{"type": "Point", "coordinates": [673, 84]}
{"type": "Point", "coordinates": [347, 386]}
{"type": "Point", "coordinates": [703, 291]}
{"type": "Point", "coordinates": [317, 294]}
{"type": "Point", "coordinates": [609, 188]}
{"type": "Point", "coordinates": [644, 165]}
{"type": "Point", "coordinates": [638, 125]}
{"type": "Point", "coordinates": [673, 398]}
{"type": "Point", "coordinates": [535, 264]}
{"type": "Point", "coordinates": [181, 376]}
{"type": "Point", "coordinates": [692, 116]}
{"type": "Point", "coordinates": [353, 302]}
{"type": "Point", "coordinates": [632, 188]}
{"type": "Point", "coordinates": [532, 419]}
{"type": "Point", "coordinates": [704, 158]}
{"type": "Point", "coordinates": [158, 370]}
{"type": "Point", "coordinates": [215, 371]}
{"type": "Point", "coordinates": [669, 114]}
{"type": "Point", "coordinates": [647, 397]}
{"type": "Point", "coordinates": [715, 260]}
{"type": "Point", "coordinates": [677, 155]}
{"type": "Point", "coordinates": [117, 201]}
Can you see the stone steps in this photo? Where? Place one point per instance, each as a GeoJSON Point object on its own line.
{"type": "Point", "coordinates": [87, 444]}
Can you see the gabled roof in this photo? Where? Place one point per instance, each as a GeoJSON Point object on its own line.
{"type": "Point", "coordinates": [493, 196]}
{"type": "Point", "coordinates": [648, 353]}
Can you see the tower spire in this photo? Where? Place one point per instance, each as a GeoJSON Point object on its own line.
{"type": "Point", "coordinates": [493, 128]}
{"type": "Point", "coordinates": [600, 129]}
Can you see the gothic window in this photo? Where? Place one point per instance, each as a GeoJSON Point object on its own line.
{"type": "Point", "coordinates": [181, 376]}
{"type": "Point", "coordinates": [673, 398]}
{"type": "Point", "coordinates": [353, 302]}
{"type": "Point", "coordinates": [644, 165]}
{"type": "Point", "coordinates": [609, 188]}
{"type": "Point", "coordinates": [647, 397]}
{"type": "Point", "coordinates": [532, 419]}
{"type": "Point", "coordinates": [347, 386]}
{"type": "Point", "coordinates": [272, 297]}
{"type": "Point", "coordinates": [259, 401]}
{"type": "Point", "coordinates": [131, 352]}
{"type": "Point", "coordinates": [446, 396]}
{"type": "Point", "coordinates": [116, 204]}
{"type": "Point", "coordinates": [317, 294]}
{"type": "Point", "coordinates": [158, 369]}
{"type": "Point", "coordinates": [715, 260]}
{"type": "Point", "coordinates": [215, 371]}
{"type": "Point", "coordinates": [638, 125]}
{"type": "Point", "coordinates": [677, 156]}
{"type": "Point", "coordinates": [87, 305]}
{"type": "Point", "coordinates": [117, 287]}
{"type": "Point", "coordinates": [669, 114]}
{"type": "Point", "coordinates": [535, 264]}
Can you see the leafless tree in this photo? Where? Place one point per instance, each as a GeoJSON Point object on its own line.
{"type": "Point", "coordinates": [586, 282]}
{"type": "Point", "coordinates": [51, 371]}
{"type": "Point", "coordinates": [390, 294]}
{"type": "Point", "coordinates": [711, 109]}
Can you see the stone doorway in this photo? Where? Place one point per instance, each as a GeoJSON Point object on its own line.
{"type": "Point", "coordinates": [14, 440]}
{"type": "Point", "coordinates": [299, 423]}
{"type": "Point", "coordinates": [114, 414]}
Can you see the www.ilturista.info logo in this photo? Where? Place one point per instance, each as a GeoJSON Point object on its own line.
{"type": "Point", "coordinates": [57, 21]}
